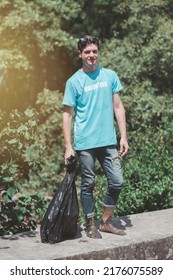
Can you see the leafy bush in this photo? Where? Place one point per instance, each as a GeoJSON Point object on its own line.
{"type": "Point", "coordinates": [30, 163]}
{"type": "Point", "coordinates": [148, 173]}
{"type": "Point", "coordinates": [21, 213]}
{"type": "Point", "coordinates": [17, 145]}
{"type": "Point", "coordinates": [49, 142]}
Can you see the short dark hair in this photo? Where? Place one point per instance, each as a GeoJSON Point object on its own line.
{"type": "Point", "coordinates": [86, 40]}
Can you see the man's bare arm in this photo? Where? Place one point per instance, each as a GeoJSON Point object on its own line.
{"type": "Point", "coordinates": [67, 126]}
{"type": "Point", "coordinates": [121, 120]}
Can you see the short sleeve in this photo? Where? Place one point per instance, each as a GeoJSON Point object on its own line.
{"type": "Point", "coordinates": [116, 85]}
{"type": "Point", "coordinates": [69, 95]}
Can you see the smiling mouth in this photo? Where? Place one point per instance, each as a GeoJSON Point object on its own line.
{"type": "Point", "coordinates": [91, 60]}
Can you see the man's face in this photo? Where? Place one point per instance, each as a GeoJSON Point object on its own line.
{"type": "Point", "coordinates": [89, 55]}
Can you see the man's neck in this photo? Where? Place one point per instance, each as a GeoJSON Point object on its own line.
{"type": "Point", "coordinates": [89, 69]}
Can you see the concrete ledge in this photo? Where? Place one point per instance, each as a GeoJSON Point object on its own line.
{"type": "Point", "coordinates": [149, 236]}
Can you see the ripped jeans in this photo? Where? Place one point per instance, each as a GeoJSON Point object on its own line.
{"type": "Point", "coordinates": [111, 165]}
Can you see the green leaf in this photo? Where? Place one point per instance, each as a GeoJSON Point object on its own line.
{"type": "Point", "coordinates": [32, 123]}
{"type": "Point", "coordinates": [22, 128]}
{"type": "Point", "coordinates": [29, 113]}
{"type": "Point", "coordinates": [5, 197]}
{"type": "Point", "coordinates": [4, 167]}
{"type": "Point", "coordinates": [27, 135]}
{"type": "Point", "coordinates": [20, 217]}
{"type": "Point", "coordinates": [13, 169]}
{"type": "Point", "coordinates": [17, 185]}
{"type": "Point", "coordinates": [11, 191]}
{"type": "Point", "coordinates": [7, 179]}
{"type": "Point", "coordinates": [12, 141]}
{"type": "Point", "coordinates": [23, 210]}
{"type": "Point", "coordinates": [20, 146]}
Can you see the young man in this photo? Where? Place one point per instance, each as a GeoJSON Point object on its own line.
{"type": "Point", "coordinates": [93, 93]}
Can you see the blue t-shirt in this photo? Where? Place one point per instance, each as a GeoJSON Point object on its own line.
{"type": "Point", "coordinates": [90, 94]}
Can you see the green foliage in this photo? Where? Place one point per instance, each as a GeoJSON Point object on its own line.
{"type": "Point", "coordinates": [49, 141]}
{"type": "Point", "coordinates": [148, 176]}
{"type": "Point", "coordinates": [31, 32]}
{"type": "Point", "coordinates": [30, 160]}
{"type": "Point", "coordinates": [19, 214]}
{"type": "Point", "coordinates": [99, 192]}
{"type": "Point", "coordinates": [34, 24]}
{"type": "Point", "coordinates": [17, 136]}
{"type": "Point", "coordinates": [17, 133]}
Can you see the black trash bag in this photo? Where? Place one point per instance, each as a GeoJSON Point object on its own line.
{"type": "Point", "coordinates": [60, 220]}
